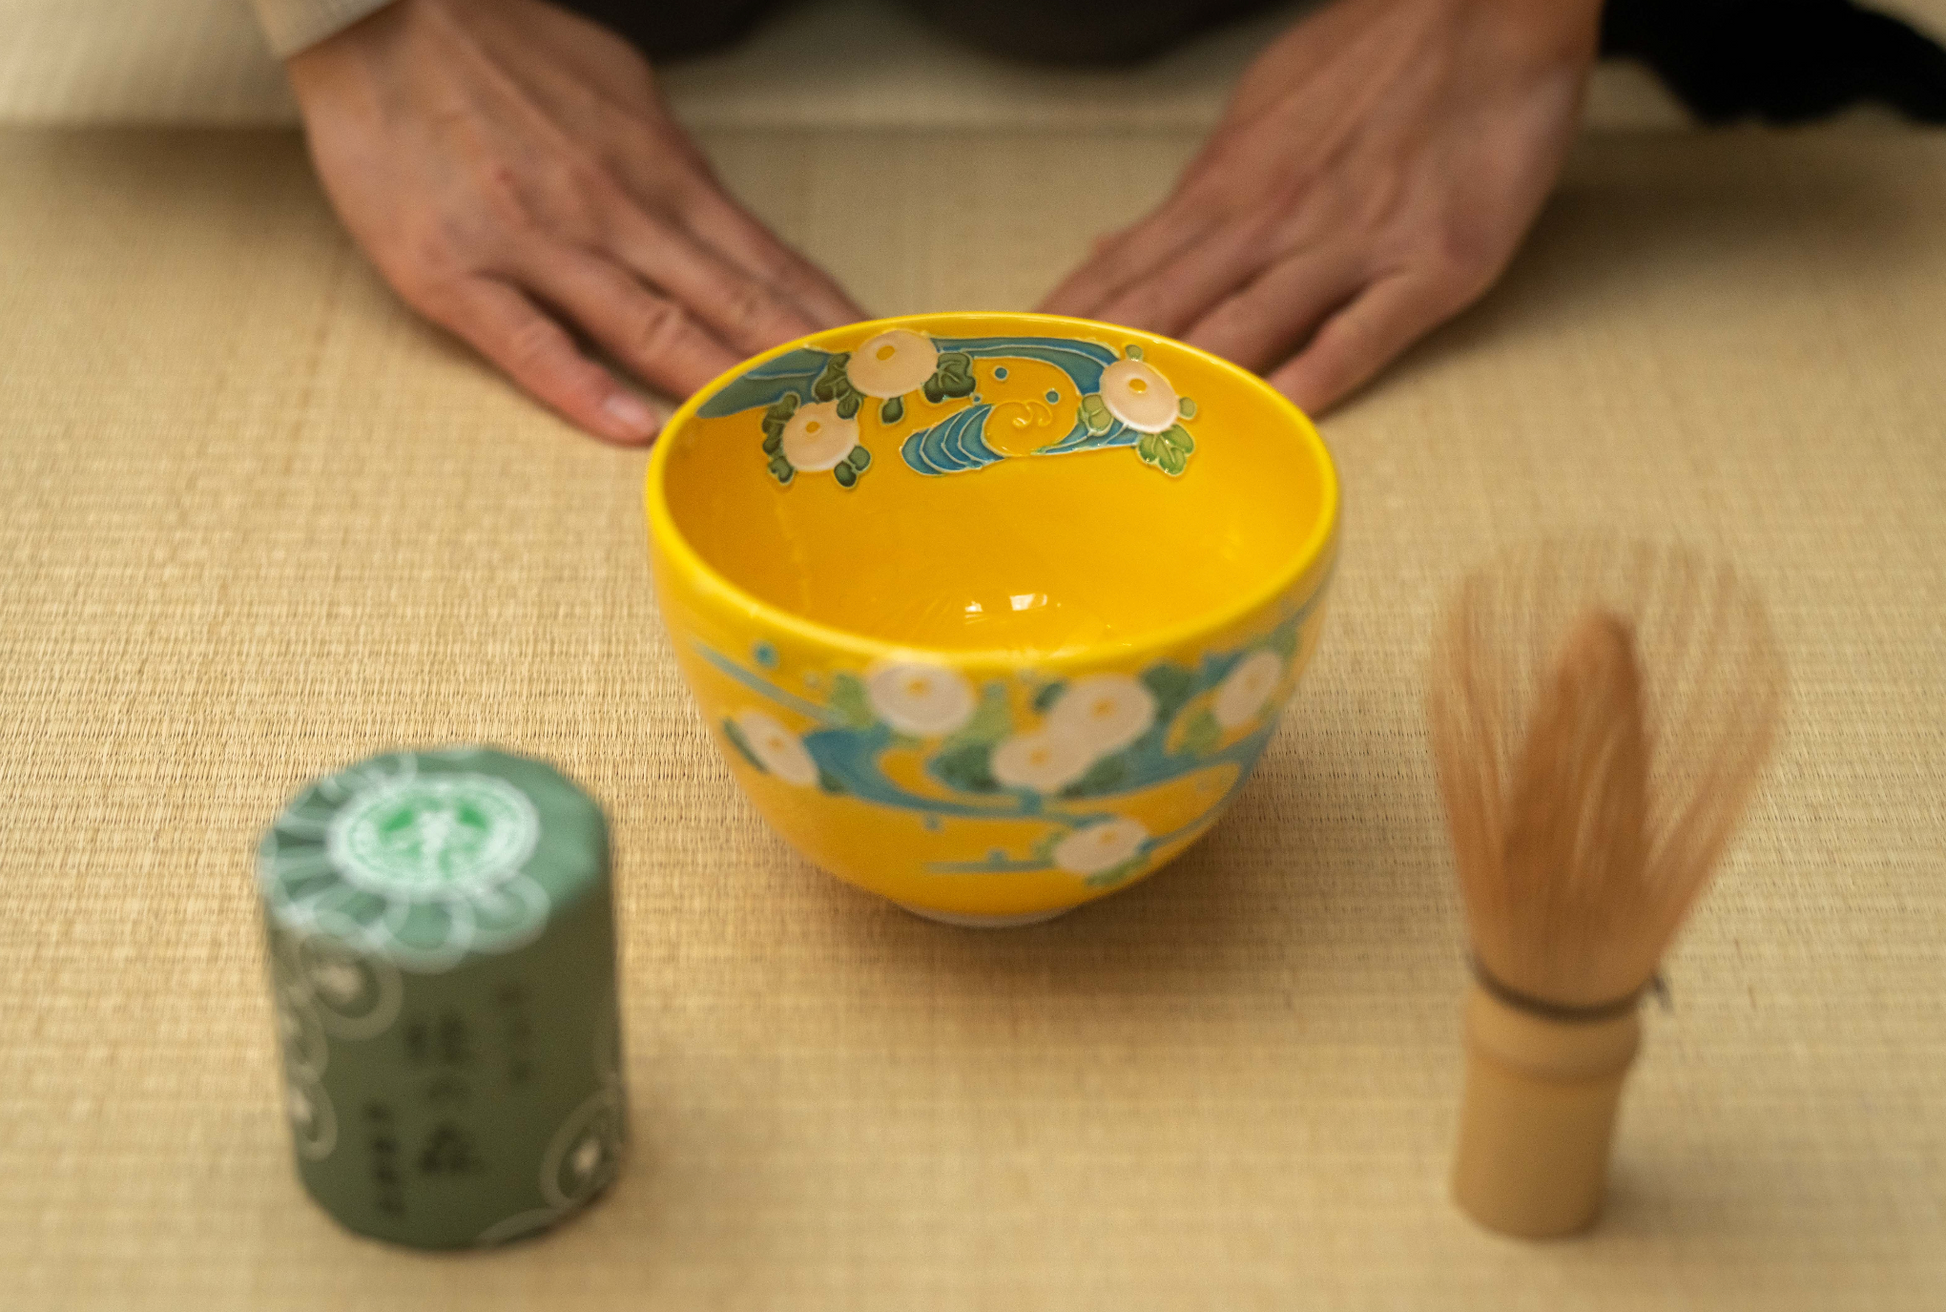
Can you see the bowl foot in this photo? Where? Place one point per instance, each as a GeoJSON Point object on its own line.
{"type": "Point", "coordinates": [982, 922]}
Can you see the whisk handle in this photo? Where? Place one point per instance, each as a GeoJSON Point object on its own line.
{"type": "Point", "coordinates": [1538, 1116]}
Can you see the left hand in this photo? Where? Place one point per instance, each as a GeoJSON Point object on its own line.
{"type": "Point", "coordinates": [1372, 176]}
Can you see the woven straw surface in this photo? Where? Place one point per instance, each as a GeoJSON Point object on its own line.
{"type": "Point", "coordinates": [256, 521]}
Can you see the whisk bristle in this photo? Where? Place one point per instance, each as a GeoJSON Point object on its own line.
{"type": "Point", "coordinates": [1599, 715]}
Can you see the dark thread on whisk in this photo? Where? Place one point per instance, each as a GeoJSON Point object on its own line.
{"type": "Point", "coordinates": [1546, 1010]}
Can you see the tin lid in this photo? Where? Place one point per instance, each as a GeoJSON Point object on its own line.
{"type": "Point", "coordinates": [425, 858]}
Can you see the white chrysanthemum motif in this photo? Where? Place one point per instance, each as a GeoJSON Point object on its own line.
{"type": "Point", "coordinates": [352, 997]}
{"type": "Point", "coordinates": [1100, 847]}
{"type": "Point", "coordinates": [816, 438]}
{"type": "Point", "coordinates": [1104, 712]}
{"type": "Point", "coordinates": [1246, 688]}
{"type": "Point", "coordinates": [417, 869]}
{"type": "Point", "coordinates": [1138, 395]}
{"type": "Point", "coordinates": [338, 981]}
{"type": "Point", "coordinates": [300, 1033]}
{"type": "Point", "coordinates": [314, 1121]}
{"type": "Point", "coordinates": [922, 700]}
{"type": "Point", "coordinates": [1042, 761]}
{"type": "Point", "coordinates": [583, 1153]}
{"type": "Point", "coordinates": [893, 363]}
{"type": "Point", "coordinates": [518, 1226]}
{"type": "Point", "coordinates": [776, 748]}
{"type": "Point", "coordinates": [586, 1150]}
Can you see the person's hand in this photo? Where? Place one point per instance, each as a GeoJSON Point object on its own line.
{"type": "Point", "coordinates": [512, 171]}
{"type": "Point", "coordinates": [1372, 176]}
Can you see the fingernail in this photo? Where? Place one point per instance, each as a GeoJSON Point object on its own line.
{"type": "Point", "coordinates": [633, 414]}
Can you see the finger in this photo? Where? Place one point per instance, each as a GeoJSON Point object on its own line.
{"type": "Point", "coordinates": [1127, 257]}
{"type": "Point", "coordinates": [537, 353]}
{"type": "Point", "coordinates": [1364, 337]}
{"type": "Point", "coordinates": [1271, 317]}
{"type": "Point", "coordinates": [1184, 289]}
{"type": "Point", "coordinates": [744, 312]}
{"type": "Point", "coordinates": [654, 335]}
{"type": "Point", "coordinates": [714, 218]}
{"type": "Point", "coordinates": [666, 174]}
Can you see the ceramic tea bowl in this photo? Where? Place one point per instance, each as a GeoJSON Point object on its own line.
{"type": "Point", "coordinates": [991, 614]}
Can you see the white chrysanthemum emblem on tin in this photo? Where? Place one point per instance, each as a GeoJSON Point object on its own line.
{"type": "Point", "coordinates": [453, 833]}
{"type": "Point", "coordinates": [1246, 688]}
{"type": "Point", "coordinates": [922, 700]}
{"type": "Point", "coordinates": [418, 869]}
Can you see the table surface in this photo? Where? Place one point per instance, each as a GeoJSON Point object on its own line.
{"type": "Point", "coordinates": [257, 521]}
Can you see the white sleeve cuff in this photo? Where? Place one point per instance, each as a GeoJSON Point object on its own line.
{"type": "Point", "coordinates": [291, 25]}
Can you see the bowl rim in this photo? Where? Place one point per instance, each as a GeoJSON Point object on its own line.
{"type": "Point", "coordinates": [666, 537]}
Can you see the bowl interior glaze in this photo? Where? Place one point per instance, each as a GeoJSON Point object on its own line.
{"type": "Point", "coordinates": [1004, 500]}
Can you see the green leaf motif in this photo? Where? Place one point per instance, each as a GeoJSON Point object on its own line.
{"type": "Point", "coordinates": [848, 404]}
{"type": "Point", "coordinates": [773, 424]}
{"type": "Point", "coordinates": [781, 469]}
{"type": "Point", "coordinates": [968, 768]}
{"type": "Point", "coordinates": [1284, 641]}
{"type": "Point", "coordinates": [845, 474]}
{"type": "Point", "coordinates": [992, 720]}
{"type": "Point", "coordinates": [735, 735]}
{"type": "Point", "coordinates": [1115, 875]}
{"type": "Point", "coordinates": [953, 377]}
{"type": "Point", "coordinates": [860, 459]}
{"type": "Point", "coordinates": [1044, 699]}
{"type": "Point", "coordinates": [1168, 450]}
{"type": "Point", "coordinates": [1186, 408]}
{"type": "Point", "coordinates": [1171, 686]}
{"type": "Point", "coordinates": [1202, 735]}
{"type": "Point", "coordinates": [1134, 352]}
{"type": "Point", "coordinates": [849, 703]}
{"type": "Point", "coordinates": [1094, 415]}
{"type": "Point", "coordinates": [829, 782]}
{"type": "Point", "coordinates": [892, 411]}
{"type": "Point", "coordinates": [833, 382]}
{"type": "Point", "coordinates": [780, 414]}
{"type": "Point", "coordinates": [1104, 776]}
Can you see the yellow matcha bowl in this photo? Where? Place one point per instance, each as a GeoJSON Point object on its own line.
{"type": "Point", "coordinates": [991, 614]}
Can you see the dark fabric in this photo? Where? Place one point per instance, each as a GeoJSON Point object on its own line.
{"type": "Point", "coordinates": [1779, 60]}
{"type": "Point", "coordinates": [1041, 31]}
{"type": "Point", "coordinates": [675, 30]}
{"type": "Point", "coordinates": [1099, 32]}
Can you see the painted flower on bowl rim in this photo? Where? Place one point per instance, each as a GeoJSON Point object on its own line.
{"type": "Point", "coordinates": [893, 363]}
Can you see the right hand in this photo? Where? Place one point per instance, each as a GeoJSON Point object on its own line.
{"type": "Point", "coordinates": [514, 174]}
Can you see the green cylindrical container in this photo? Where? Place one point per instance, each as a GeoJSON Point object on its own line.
{"type": "Point", "coordinates": [442, 955]}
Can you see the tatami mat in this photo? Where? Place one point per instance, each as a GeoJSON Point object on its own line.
{"type": "Point", "coordinates": [257, 521]}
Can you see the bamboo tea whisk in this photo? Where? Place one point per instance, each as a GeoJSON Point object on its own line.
{"type": "Point", "coordinates": [1599, 715]}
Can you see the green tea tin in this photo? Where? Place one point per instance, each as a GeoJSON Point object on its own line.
{"type": "Point", "coordinates": [442, 958]}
